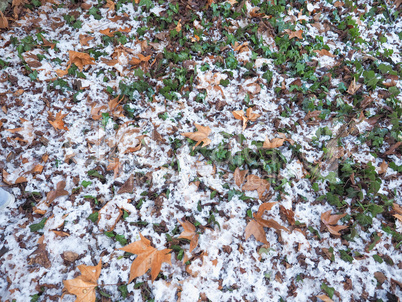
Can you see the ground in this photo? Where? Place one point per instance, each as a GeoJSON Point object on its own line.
{"type": "Point", "coordinates": [243, 150]}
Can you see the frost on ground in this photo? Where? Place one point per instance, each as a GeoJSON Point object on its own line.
{"type": "Point", "coordinates": [298, 199]}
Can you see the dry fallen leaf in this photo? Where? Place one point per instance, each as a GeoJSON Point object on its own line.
{"type": "Point", "coordinates": [250, 116]}
{"type": "Point", "coordinates": [128, 186]}
{"type": "Point", "coordinates": [148, 258]}
{"type": "Point", "coordinates": [276, 142]}
{"type": "Point", "coordinates": [115, 166]}
{"type": "Point", "coordinates": [294, 34]}
{"type": "Point", "coordinates": [256, 183]}
{"type": "Point", "coordinates": [178, 26]}
{"type": "Point", "coordinates": [201, 136]}
{"type": "Point", "coordinates": [325, 298]}
{"type": "Point", "coordinates": [324, 52]}
{"type": "Point", "coordinates": [84, 39]}
{"type": "Point", "coordinates": [383, 167]}
{"type": "Point", "coordinates": [52, 195]}
{"type": "Point", "coordinates": [239, 176]}
{"type": "Point", "coordinates": [110, 5]}
{"type": "Point", "coordinates": [190, 234]}
{"type": "Point", "coordinates": [330, 222]}
{"type": "Point", "coordinates": [256, 226]}
{"type": "Point", "coordinates": [398, 216]}
{"type": "Point", "coordinates": [397, 208]}
{"type": "Point", "coordinates": [353, 87]}
{"type": "Point", "coordinates": [80, 59]}
{"type": "Point", "coordinates": [84, 286]}
{"type": "Point", "coordinates": [3, 21]}
{"type": "Point", "coordinates": [57, 122]}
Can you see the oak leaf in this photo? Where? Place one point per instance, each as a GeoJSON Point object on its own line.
{"type": "Point", "coordinates": [330, 222]}
{"type": "Point", "coordinates": [148, 258]}
{"type": "Point", "coordinates": [256, 183]}
{"type": "Point", "coordinates": [84, 286]}
{"type": "Point", "coordinates": [80, 59]}
{"type": "Point", "coordinates": [250, 116]}
{"type": "Point", "coordinates": [57, 122]}
{"type": "Point", "coordinates": [201, 136]}
{"type": "Point", "coordinates": [190, 234]}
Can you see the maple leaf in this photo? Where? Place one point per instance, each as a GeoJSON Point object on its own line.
{"type": "Point", "coordinates": [190, 234]}
{"type": "Point", "coordinates": [148, 258]}
{"type": "Point", "coordinates": [201, 136]}
{"type": "Point", "coordinates": [52, 195]}
{"type": "Point", "coordinates": [256, 226]}
{"type": "Point", "coordinates": [80, 59]}
{"type": "Point", "coordinates": [57, 122]}
{"type": "Point", "coordinates": [256, 183]}
{"type": "Point", "coordinates": [84, 286]}
{"type": "Point", "coordinates": [331, 220]}
{"type": "Point", "coordinates": [250, 116]}
{"type": "Point", "coordinates": [84, 39]}
{"type": "Point", "coordinates": [294, 34]}
{"type": "Point", "coordinates": [276, 142]}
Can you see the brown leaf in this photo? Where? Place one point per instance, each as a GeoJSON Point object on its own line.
{"type": "Point", "coordinates": [239, 176]}
{"type": "Point", "coordinates": [46, 43]}
{"type": "Point", "coordinates": [256, 183]}
{"type": "Point", "coordinates": [110, 5]}
{"type": "Point", "coordinates": [80, 59]}
{"type": "Point", "coordinates": [201, 136]}
{"type": "Point", "coordinates": [52, 195]}
{"type": "Point", "coordinates": [3, 21]}
{"type": "Point", "coordinates": [393, 148]}
{"type": "Point", "coordinates": [257, 230]}
{"type": "Point", "coordinates": [324, 52]}
{"type": "Point", "coordinates": [398, 216]}
{"type": "Point", "coordinates": [115, 166]}
{"type": "Point", "coordinates": [383, 167]}
{"type": "Point", "coordinates": [325, 298]}
{"type": "Point", "coordinates": [128, 186]}
{"type": "Point", "coordinates": [294, 34]}
{"type": "Point", "coordinates": [289, 214]}
{"type": "Point", "coordinates": [148, 258]}
{"type": "Point", "coordinates": [270, 223]}
{"type": "Point", "coordinates": [331, 220]}
{"type": "Point", "coordinates": [40, 257]}
{"type": "Point", "coordinates": [353, 87]}
{"type": "Point", "coordinates": [107, 32]}
{"type": "Point", "coordinates": [57, 122]}
{"type": "Point", "coordinates": [274, 143]}
{"type": "Point", "coordinates": [84, 286]}
{"type": "Point", "coordinates": [178, 26]}
{"type": "Point", "coordinates": [249, 116]}
{"type": "Point", "coordinates": [190, 234]}
{"type": "Point", "coordinates": [397, 208]}
{"type": "Point", "coordinates": [266, 206]}
{"type": "Point", "coordinates": [84, 39]}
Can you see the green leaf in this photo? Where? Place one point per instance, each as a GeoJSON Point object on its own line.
{"type": "Point", "coordinates": [86, 183]}
{"type": "Point", "coordinates": [329, 290]}
{"type": "Point", "coordinates": [96, 174]}
{"type": "Point", "coordinates": [123, 290]}
{"type": "Point", "coordinates": [38, 226]}
{"type": "Point", "coordinates": [93, 217]}
{"type": "Point", "coordinates": [375, 209]}
{"type": "Point", "coordinates": [364, 220]}
{"type": "Point", "coordinates": [345, 256]}
{"type": "Point", "coordinates": [378, 258]}
{"type": "Point", "coordinates": [121, 239]}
